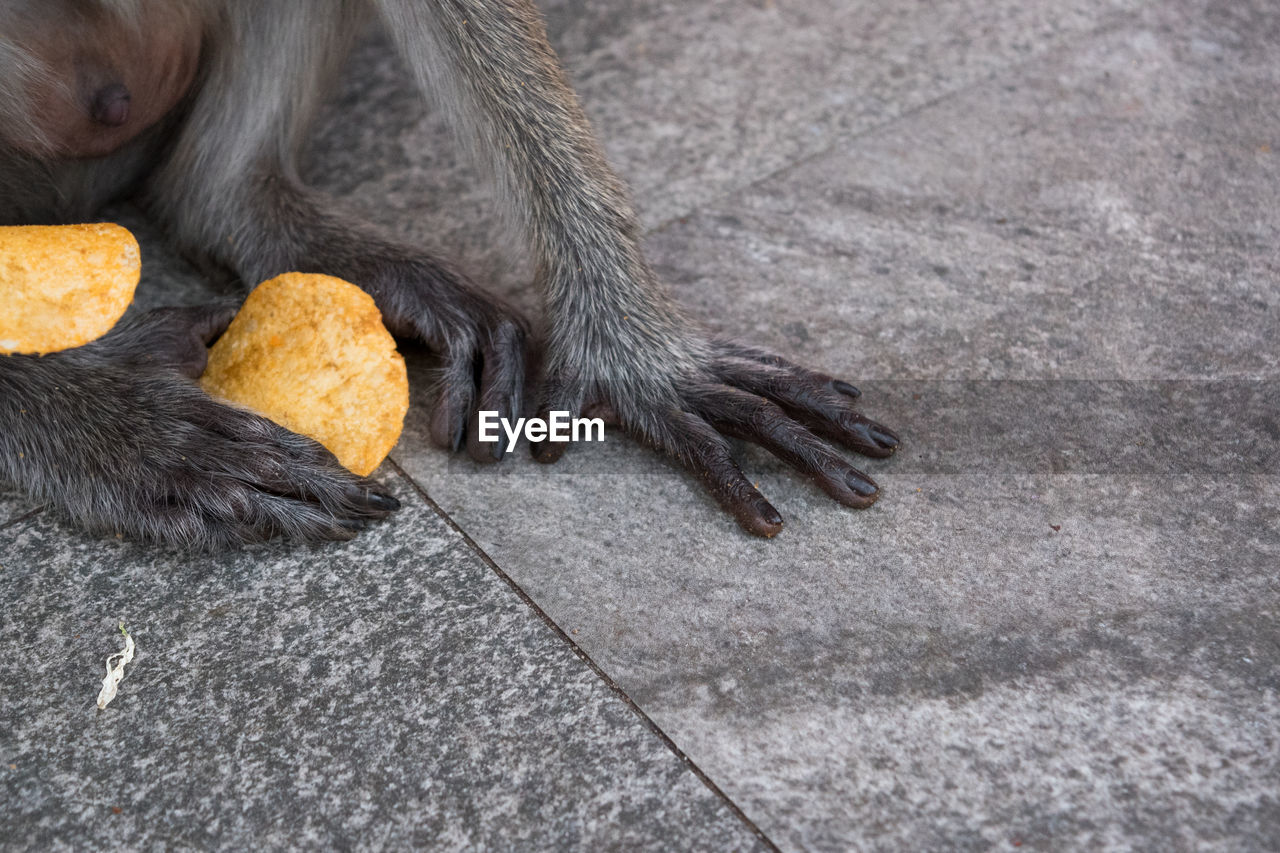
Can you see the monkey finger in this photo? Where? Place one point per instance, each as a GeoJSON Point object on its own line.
{"type": "Point", "coordinates": [755, 419]}
{"type": "Point", "coordinates": [331, 488]}
{"type": "Point", "coordinates": [730, 351]}
{"type": "Point", "coordinates": [298, 521]}
{"type": "Point", "coordinates": [328, 486]}
{"type": "Point", "coordinates": [846, 389]}
{"type": "Point", "coordinates": [327, 489]}
{"type": "Point", "coordinates": [703, 451]}
{"type": "Point", "coordinates": [501, 388]}
{"type": "Point", "coordinates": [558, 394]}
{"type": "Point", "coordinates": [206, 322]}
{"type": "Point", "coordinates": [201, 326]}
{"type": "Point", "coordinates": [217, 512]}
{"type": "Point", "coordinates": [203, 321]}
{"type": "Point", "coordinates": [173, 337]}
{"type": "Point", "coordinates": [264, 471]}
{"type": "Point", "coordinates": [857, 432]}
{"type": "Point", "coordinates": [240, 444]}
{"type": "Point", "coordinates": [454, 401]}
{"type": "Point", "coordinates": [813, 401]}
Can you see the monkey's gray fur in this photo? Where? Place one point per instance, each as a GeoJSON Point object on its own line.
{"type": "Point", "coordinates": [199, 109]}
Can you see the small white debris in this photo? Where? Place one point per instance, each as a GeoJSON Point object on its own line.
{"type": "Point", "coordinates": [115, 670]}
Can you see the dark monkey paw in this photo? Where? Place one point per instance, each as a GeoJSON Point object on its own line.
{"type": "Point", "coordinates": [123, 441]}
{"type": "Point", "coordinates": [746, 393]}
{"type": "Point", "coordinates": [481, 342]}
{"type": "Point", "coordinates": [482, 369]}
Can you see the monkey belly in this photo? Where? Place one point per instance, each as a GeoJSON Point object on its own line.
{"type": "Point", "coordinates": [117, 79]}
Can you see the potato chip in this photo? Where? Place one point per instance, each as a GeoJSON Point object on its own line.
{"type": "Point", "coordinates": [310, 352]}
{"type": "Point", "coordinates": [62, 286]}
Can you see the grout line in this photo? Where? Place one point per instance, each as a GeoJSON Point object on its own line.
{"type": "Point", "coordinates": [585, 658]}
{"type": "Point", "coordinates": [840, 139]}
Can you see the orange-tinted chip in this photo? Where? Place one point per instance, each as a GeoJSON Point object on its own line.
{"type": "Point", "coordinates": [62, 286]}
{"type": "Point", "coordinates": [310, 353]}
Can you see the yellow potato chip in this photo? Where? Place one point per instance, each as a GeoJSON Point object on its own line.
{"type": "Point", "coordinates": [310, 353]}
{"type": "Point", "coordinates": [62, 286]}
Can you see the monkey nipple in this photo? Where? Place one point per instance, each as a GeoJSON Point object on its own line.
{"type": "Point", "coordinates": [110, 105]}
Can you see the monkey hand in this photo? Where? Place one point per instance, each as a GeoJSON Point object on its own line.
{"type": "Point", "coordinates": [482, 369]}
{"type": "Point", "coordinates": [692, 397]}
{"type": "Point", "coordinates": [119, 438]}
{"type": "Point", "coordinates": [481, 342]}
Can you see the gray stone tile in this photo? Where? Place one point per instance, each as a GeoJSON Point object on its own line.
{"type": "Point", "coordinates": [691, 100]}
{"type": "Point", "coordinates": [1107, 219]}
{"type": "Point", "coordinates": [1058, 626]}
{"type": "Point", "coordinates": [986, 618]}
{"type": "Point", "coordinates": [392, 692]}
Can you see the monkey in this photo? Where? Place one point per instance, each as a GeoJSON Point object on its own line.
{"type": "Point", "coordinates": [198, 109]}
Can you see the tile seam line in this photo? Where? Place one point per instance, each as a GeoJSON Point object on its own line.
{"type": "Point", "coordinates": [1113, 24]}
{"type": "Point", "coordinates": [582, 655]}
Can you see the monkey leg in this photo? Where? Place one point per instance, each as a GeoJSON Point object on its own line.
{"type": "Point", "coordinates": [616, 339]}
{"type": "Point", "coordinates": [118, 438]}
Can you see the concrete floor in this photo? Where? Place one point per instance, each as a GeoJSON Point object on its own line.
{"type": "Point", "coordinates": [1042, 237]}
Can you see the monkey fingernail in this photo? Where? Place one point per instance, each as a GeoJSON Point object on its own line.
{"type": "Point", "coordinates": [378, 501]}
{"type": "Point", "coordinates": [760, 518]}
{"type": "Point", "coordinates": [383, 503]}
{"type": "Point", "coordinates": [861, 485]}
{"type": "Point", "coordinates": [845, 388]}
{"type": "Point", "coordinates": [885, 439]}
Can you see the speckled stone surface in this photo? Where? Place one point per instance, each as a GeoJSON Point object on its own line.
{"type": "Point", "coordinates": [728, 91]}
{"type": "Point", "coordinates": [389, 693]}
{"type": "Point", "coordinates": [1058, 628]}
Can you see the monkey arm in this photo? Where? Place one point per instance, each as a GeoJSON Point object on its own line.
{"type": "Point", "coordinates": [617, 342]}
{"type": "Point", "coordinates": [118, 438]}
{"type": "Point", "coordinates": [229, 191]}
